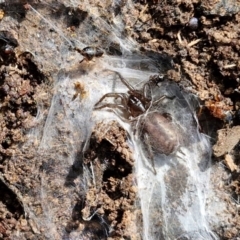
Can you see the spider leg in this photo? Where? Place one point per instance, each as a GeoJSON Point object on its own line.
{"type": "Point", "coordinates": [128, 85]}
{"type": "Point", "coordinates": [113, 95]}
{"type": "Point", "coordinates": [146, 89]}
{"type": "Point", "coordinates": [112, 106]}
{"type": "Point", "coordinates": [162, 98]}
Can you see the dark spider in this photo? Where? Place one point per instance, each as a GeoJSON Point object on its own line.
{"type": "Point", "coordinates": [90, 52]}
{"type": "Point", "coordinates": [157, 130]}
{"type": "Point", "coordinates": [7, 45]}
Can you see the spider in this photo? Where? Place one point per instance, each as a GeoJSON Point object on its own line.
{"type": "Point", "coordinates": [89, 53]}
{"type": "Point", "coordinates": [156, 130]}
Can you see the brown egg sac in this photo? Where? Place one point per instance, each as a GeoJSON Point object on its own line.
{"type": "Point", "coordinates": [160, 132]}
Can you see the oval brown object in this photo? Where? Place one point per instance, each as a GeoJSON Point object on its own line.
{"type": "Point", "coordinates": [8, 49]}
{"type": "Point", "coordinates": [161, 133]}
{"type": "Point", "coordinates": [90, 52]}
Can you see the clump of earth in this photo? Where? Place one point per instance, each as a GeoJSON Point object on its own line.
{"type": "Point", "coordinates": [205, 59]}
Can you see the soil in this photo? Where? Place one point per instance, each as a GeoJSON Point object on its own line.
{"type": "Point", "coordinates": [112, 191]}
{"type": "Point", "coordinates": [205, 61]}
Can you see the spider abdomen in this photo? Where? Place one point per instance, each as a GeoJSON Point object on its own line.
{"type": "Point", "coordinates": [160, 132]}
{"type": "Point", "coordinates": [90, 52]}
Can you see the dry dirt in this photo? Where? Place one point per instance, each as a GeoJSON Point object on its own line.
{"type": "Point", "coordinates": [206, 62]}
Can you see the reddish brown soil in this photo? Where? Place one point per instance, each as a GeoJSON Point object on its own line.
{"type": "Point", "coordinates": [205, 61]}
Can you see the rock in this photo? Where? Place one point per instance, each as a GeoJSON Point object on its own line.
{"type": "Point", "coordinates": [227, 140]}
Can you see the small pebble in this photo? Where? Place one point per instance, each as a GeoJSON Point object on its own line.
{"type": "Point", "coordinates": [193, 23]}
